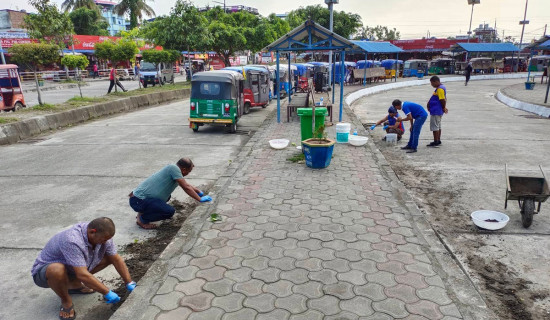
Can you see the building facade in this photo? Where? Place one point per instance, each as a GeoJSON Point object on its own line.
{"type": "Point", "coordinates": [11, 21]}
{"type": "Point", "coordinates": [116, 23]}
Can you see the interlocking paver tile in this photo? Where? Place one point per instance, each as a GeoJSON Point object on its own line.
{"type": "Point", "coordinates": [168, 285]}
{"type": "Point", "coordinates": [288, 243]}
{"type": "Point", "coordinates": [184, 261]}
{"type": "Point", "coordinates": [212, 274]}
{"type": "Point", "coordinates": [297, 253]}
{"type": "Point", "coordinates": [322, 235]}
{"type": "Point", "coordinates": [426, 309]}
{"type": "Point", "coordinates": [421, 268]}
{"type": "Point", "coordinates": [404, 231]}
{"type": "Point", "coordinates": [373, 291]}
{"type": "Point", "coordinates": [198, 302]}
{"type": "Point", "coordinates": [185, 273]}
{"type": "Point", "coordinates": [243, 227]}
{"type": "Point", "coordinates": [219, 288]}
{"type": "Point", "coordinates": [249, 288]}
{"type": "Point", "coordinates": [179, 313]}
{"type": "Point", "coordinates": [386, 247]}
{"type": "Point", "coordinates": [378, 316]}
{"type": "Point", "coordinates": [267, 275]}
{"type": "Point", "coordinates": [285, 263]}
{"type": "Point", "coordinates": [295, 303]}
{"type": "Point", "coordinates": [402, 292]}
{"type": "Point", "coordinates": [342, 290]}
{"type": "Point", "coordinates": [327, 305]}
{"type": "Point", "coordinates": [272, 252]}
{"type": "Point", "coordinates": [257, 263]}
{"type": "Point", "coordinates": [190, 288]}
{"type": "Point", "coordinates": [450, 310]}
{"type": "Point", "coordinates": [434, 294]}
{"type": "Point", "coordinates": [354, 276]}
{"type": "Point", "coordinates": [230, 263]}
{"type": "Point", "coordinates": [412, 279]}
{"type": "Point", "coordinates": [239, 275]}
{"type": "Point", "coordinates": [204, 262]}
{"type": "Point", "coordinates": [311, 227]}
{"type": "Point", "coordinates": [308, 315]}
{"type": "Point", "coordinates": [347, 236]}
{"type": "Point", "coordinates": [403, 257]}
{"type": "Point", "coordinates": [310, 264]}
{"type": "Point", "coordinates": [337, 245]}
{"type": "Point", "coordinates": [370, 237]}
{"type": "Point", "coordinates": [382, 277]}
{"type": "Point", "coordinates": [392, 266]}
{"type": "Point", "coordinates": [323, 254]}
{"type": "Point", "coordinates": [254, 234]}
{"type": "Point", "coordinates": [311, 244]}
{"type": "Point", "coordinates": [391, 306]}
{"type": "Point", "coordinates": [229, 303]}
{"type": "Point", "coordinates": [223, 226]}
{"type": "Point", "coordinates": [169, 301]}
{"type": "Point", "coordinates": [277, 314]}
{"type": "Point", "coordinates": [344, 315]}
{"type": "Point", "coordinates": [216, 242]}
{"type": "Point", "coordinates": [277, 234]}
{"type": "Point", "coordinates": [349, 254]}
{"type": "Point", "coordinates": [248, 252]}
{"type": "Point", "coordinates": [326, 276]}
{"type": "Point", "coordinates": [281, 288]}
{"type": "Point", "coordinates": [296, 276]}
{"type": "Point", "coordinates": [242, 314]}
{"type": "Point", "coordinates": [411, 248]}
{"type": "Point", "coordinates": [358, 305]}
{"type": "Point", "coordinates": [209, 314]}
{"type": "Point", "coordinates": [199, 251]}
{"type": "Point", "coordinates": [209, 234]}
{"type": "Point", "coordinates": [375, 255]}
{"type": "Point", "coordinates": [264, 302]}
{"type": "Point", "coordinates": [334, 228]}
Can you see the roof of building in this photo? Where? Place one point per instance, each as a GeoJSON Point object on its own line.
{"type": "Point", "coordinates": [484, 47]}
{"type": "Point", "coordinates": [377, 47]}
{"type": "Point", "coordinates": [105, 2]}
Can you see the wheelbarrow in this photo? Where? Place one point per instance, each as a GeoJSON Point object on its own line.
{"type": "Point", "coordinates": [527, 191]}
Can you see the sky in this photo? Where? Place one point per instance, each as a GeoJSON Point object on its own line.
{"type": "Point", "coordinates": [412, 18]}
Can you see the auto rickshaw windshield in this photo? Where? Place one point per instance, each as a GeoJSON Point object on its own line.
{"type": "Point", "coordinates": [211, 90]}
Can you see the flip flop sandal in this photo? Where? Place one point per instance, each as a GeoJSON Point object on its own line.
{"type": "Point", "coordinates": [68, 311]}
{"type": "Point", "coordinates": [81, 291]}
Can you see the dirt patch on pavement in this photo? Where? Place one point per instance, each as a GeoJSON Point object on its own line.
{"type": "Point", "coordinates": [506, 293]}
{"type": "Point", "coordinates": [140, 255]}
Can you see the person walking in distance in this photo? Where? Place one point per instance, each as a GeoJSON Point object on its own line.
{"type": "Point", "coordinates": [468, 72]}
{"type": "Point", "coordinates": [96, 71]}
{"type": "Point", "coordinates": [114, 80]}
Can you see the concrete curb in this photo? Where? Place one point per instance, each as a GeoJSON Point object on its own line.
{"type": "Point", "coordinates": [525, 106]}
{"type": "Point", "coordinates": [352, 97]}
{"type": "Point", "coordinates": [134, 306]}
{"type": "Point", "coordinates": [14, 132]}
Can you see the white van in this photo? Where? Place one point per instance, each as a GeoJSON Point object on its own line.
{"type": "Point", "coordinates": [162, 74]}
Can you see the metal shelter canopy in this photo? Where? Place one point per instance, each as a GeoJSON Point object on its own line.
{"type": "Point", "coordinates": [316, 38]}
{"type": "Point", "coordinates": [484, 47]}
{"type": "Point", "coordinates": [376, 47]}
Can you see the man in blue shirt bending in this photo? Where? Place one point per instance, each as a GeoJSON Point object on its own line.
{"type": "Point", "coordinates": [417, 116]}
{"type": "Point", "coordinates": [150, 198]}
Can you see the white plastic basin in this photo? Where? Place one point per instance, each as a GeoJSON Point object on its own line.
{"type": "Point", "coordinates": [278, 143]}
{"type": "Point", "coordinates": [481, 217]}
{"type": "Point", "coordinates": [357, 140]}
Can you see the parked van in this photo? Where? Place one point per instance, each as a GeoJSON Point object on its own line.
{"type": "Point", "coordinates": [161, 74]}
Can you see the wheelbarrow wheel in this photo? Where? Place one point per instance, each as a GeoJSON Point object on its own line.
{"type": "Point", "coordinates": [527, 212]}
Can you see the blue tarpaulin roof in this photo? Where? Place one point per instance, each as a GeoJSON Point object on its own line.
{"type": "Point", "coordinates": [484, 47]}
{"type": "Point", "coordinates": [377, 47]}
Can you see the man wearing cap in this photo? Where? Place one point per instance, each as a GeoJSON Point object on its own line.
{"type": "Point", "coordinates": [68, 261]}
{"type": "Point", "coordinates": [391, 123]}
{"type": "Point", "coordinates": [417, 116]}
{"type": "Point", "coordinates": [150, 198]}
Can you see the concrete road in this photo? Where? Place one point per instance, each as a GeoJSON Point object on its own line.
{"type": "Point", "coordinates": [54, 181]}
{"type": "Point", "coordinates": [95, 88]}
{"type": "Point", "coordinates": [466, 173]}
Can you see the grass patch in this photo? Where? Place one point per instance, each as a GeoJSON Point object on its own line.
{"type": "Point", "coordinates": [4, 120]}
{"type": "Point", "coordinates": [297, 158]}
{"type": "Point", "coordinates": [80, 101]}
{"type": "Point", "coordinates": [43, 107]}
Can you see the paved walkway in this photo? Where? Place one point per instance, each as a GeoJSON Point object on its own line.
{"type": "Point", "coordinates": [297, 243]}
{"type": "Point", "coordinates": [535, 96]}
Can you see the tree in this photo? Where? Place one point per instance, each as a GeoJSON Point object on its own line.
{"type": "Point", "coordinates": [67, 5]}
{"type": "Point", "coordinates": [76, 62]}
{"type": "Point", "coordinates": [135, 9]}
{"type": "Point", "coordinates": [34, 56]}
{"type": "Point", "coordinates": [124, 49]}
{"type": "Point", "coordinates": [344, 24]}
{"type": "Point", "coordinates": [89, 22]}
{"type": "Point", "coordinates": [378, 33]}
{"type": "Point", "coordinates": [49, 24]}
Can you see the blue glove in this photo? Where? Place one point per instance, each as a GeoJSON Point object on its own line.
{"type": "Point", "coordinates": [200, 193]}
{"type": "Point", "coordinates": [112, 297]}
{"type": "Point", "coordinates": [130, 286]}
{"type": "Point", "coordinates": [386, 127]}
{"type": "Point", "coordinates": [206, 198]}
{"type": "Point", "coordinates": [373, 127]}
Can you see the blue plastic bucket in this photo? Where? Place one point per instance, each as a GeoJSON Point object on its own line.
{"type": "Point", "coordinates": [529, 85]}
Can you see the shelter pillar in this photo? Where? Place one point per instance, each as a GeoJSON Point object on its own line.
{"type": "Point", "coordinates": [278, 89]}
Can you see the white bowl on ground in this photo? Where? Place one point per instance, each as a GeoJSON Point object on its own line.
{"type": "Point", "coordinates": [279, 143]}
{"type": "Point", "coordinates": [357, 140]}
{"type": "Point", "coordinates": [490, 220]}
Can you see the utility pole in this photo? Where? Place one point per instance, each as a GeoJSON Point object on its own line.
{"type": "Point", "coordinates": [523, 23]}
{"type": "Point", "coordinates": [545, 30]}
{"type": "Point", "coordinates": [330, 8]}
{"type": "Point", "coordinates": [472, 2]}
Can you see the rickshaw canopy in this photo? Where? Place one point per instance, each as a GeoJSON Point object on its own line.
{"type": "Point", "coordinates": [218, 76]}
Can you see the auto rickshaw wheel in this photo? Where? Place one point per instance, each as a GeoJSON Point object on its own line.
{"type": "Point", "coordinates": [233, 127]}
{"type": "Point", "coordinates": [246, 109]}
{"type": "Point", "coordinates": [527, 211]}
{"type": "Point", "coordinates": [195, 127]}
{"type": "Point", "coordinates": [18, 106]}
{"type": "Point", "coordinates": [145, 85]}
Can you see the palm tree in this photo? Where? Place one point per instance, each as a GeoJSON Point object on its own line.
{"type": "Point", "coordinates": [135, 8]}
{"type": "Point", "coordinates": [67, 5]}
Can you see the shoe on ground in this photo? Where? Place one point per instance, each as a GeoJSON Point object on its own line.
{"type": "Point", "coordinates": [411, 151]}
{"type": "Point", "coordinates": [406, 148]}
{"type": "Point", "coordinates": [439, 142]}
{"type": "Point", "coordinates": [432, 144]}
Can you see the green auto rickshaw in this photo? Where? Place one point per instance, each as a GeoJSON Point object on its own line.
{"type": "Point", "coordinates": [216, 99]}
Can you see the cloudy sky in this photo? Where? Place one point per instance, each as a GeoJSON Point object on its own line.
{"type": "Point", "coordinates": [413, 18]}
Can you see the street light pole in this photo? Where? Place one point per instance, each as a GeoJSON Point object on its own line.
{"type": "Point", "coordinates": [331, 23]}
{"type": "Point", "coordinates": [472, 2]}
{"type": "Point", "coordinates": [523, 23]}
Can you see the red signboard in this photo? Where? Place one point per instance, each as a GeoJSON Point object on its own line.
{"type": "Point", "coordinates": [9, 42]}
{"type": "Point", "coordinates": [88, 42]}
{"type": "Point", "coordinates": [427, 44]}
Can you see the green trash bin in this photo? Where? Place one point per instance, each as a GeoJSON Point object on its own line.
{"type": "Point", "coordinates": [305, 120]}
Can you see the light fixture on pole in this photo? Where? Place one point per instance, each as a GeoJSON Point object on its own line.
{"type": "Point", "coordinates": [330, 5]}
{"type": "Point", "coordinates": [472, 2]}
{"type": "Point", "coordinates": [523, 23]}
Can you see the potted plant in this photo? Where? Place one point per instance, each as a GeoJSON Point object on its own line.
{"type": "Point", "coordinates": [530, 83]}
{"type": "Point", "coordinates": [318, 150]}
